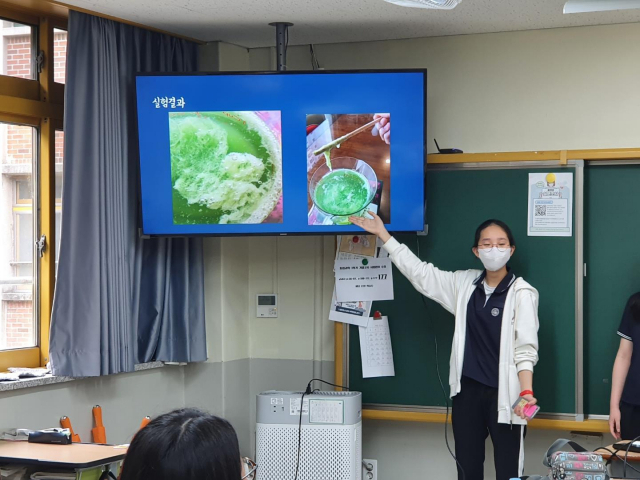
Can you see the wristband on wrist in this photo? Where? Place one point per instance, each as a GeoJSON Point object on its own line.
{"type": "Point", "coordinates": [526, 392]}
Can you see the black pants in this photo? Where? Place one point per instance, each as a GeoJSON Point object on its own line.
{"type": "Point", "coordinates": [629, 421]}
{"type": "Point", "coordinates": [474, 418]}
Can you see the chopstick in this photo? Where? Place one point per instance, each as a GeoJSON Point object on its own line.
{"type": "Point", "coordinates": [342, 139]}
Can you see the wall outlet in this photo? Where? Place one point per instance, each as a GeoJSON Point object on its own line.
{"type": "Point", "coordinates": [369, 469]}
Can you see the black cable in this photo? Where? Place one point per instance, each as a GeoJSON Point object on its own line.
{"type": "Point", "coordinates": [327, 383]}
{"type": "Point", "coordinates": [615, 455]}
{"type": "Point", "coordinates": [300, 432]}
{"type": "Point", "coordinates": [444, 392]}
{"type": "Point", "coordinates": [626, 454]}
{"type": "Point", "coordinates": [308, 391]}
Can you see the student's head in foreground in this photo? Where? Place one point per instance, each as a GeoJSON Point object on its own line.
{"type": "Point", "coordinates": [185, 444]}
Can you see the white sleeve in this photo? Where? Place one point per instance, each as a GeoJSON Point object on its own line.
{"type": "Point", "coordinates": [526, 341]}
{"type": "Point", "coordinates": [435, 284]}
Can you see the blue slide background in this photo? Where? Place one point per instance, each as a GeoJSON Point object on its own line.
{"type": "Point", "coordinates": [295, 95]}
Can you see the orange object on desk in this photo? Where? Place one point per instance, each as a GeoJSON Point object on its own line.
{"type": "Point", "coordinates": [145, 422]}
{"type": "Point", "coordinates": [99, 433]}
{"type": "Point", "coordinates": [65, 422]}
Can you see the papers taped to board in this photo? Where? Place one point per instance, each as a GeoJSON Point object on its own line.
{"type": "Point", "coordinates": [354, 313]}
{"type": "Point", "coordinates": [364, 280]}
{"type": "Point", "coordinates": [375, 348]}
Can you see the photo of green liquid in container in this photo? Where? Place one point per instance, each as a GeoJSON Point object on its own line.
{"type": "Point", "coordinates": [348, 167]}
{"type": "Point", "coordinates": [347, 189]}
{"type": "Point", "coordinates": [226, 167]}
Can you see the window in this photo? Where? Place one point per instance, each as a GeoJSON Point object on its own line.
{"type": "Point", "coordinates": [23, 191]}
{"type": "Point", "coordinates": [17, 319]}
{"type": "Point", "coordinates": [17, 44]}
{"type": "Point", "coordinates": [59, 147]}
{"type": "Point", "coordinates": [59, 55]}
{"type": "Point", "coordinates": [31, 152]}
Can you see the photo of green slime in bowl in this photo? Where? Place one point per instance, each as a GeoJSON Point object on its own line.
{"type": "Point", "coordinates": [347, 167]}
{"type": "Point", "coordinates": [226, 167]}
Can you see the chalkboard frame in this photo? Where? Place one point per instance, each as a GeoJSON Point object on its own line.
{"type": "Point", "coordinates": [427, 413]}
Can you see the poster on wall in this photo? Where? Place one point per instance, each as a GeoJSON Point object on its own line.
{"type": "Point", "coordinates": [550, 211]}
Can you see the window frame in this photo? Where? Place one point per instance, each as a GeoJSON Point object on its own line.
{"type": "Point", "coordinates": [14, 86]}
{"type": "Point", "coordinates": [40, 104]}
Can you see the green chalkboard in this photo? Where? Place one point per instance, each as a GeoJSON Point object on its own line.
{"type": "Point", "coordinates": [457, 202]}
{"type": "Point", "coordinates": [612, 255]}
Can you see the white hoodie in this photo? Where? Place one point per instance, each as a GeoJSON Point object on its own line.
{"type": "Point", "coordinates": [519, 333]}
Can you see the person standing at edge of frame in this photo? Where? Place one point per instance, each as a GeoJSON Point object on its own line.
{"type": "Point", "coordinates": [624, 414]}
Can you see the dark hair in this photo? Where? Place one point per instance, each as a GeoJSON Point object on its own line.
{"type": "Point", "coordinates": [497, 223]}
{"type": "Point", "coordinates": [185, 444]}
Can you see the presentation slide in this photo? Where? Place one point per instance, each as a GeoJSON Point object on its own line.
{"type": "Point", "coordinates": [224, 154]}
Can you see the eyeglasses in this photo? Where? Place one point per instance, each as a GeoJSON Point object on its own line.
{"type": "Point", "coordinates": [251, 466]}
{"type": "Point", "coordinates": [502, 247]}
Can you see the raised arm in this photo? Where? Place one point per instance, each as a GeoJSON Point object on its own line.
{"type": "Point", "coordinates": [432, 282]}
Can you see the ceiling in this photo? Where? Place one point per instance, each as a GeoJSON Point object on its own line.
{"type": "Point", "coordinates": [245, 22]}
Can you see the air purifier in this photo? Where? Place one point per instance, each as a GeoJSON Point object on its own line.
{"type": "Point", "coordinates": [330, 437]}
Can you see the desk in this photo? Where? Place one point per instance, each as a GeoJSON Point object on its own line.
{"type": "Point", "coordinates": [616, 467]}
{"type": "Point", "coordinates": [87, 460]}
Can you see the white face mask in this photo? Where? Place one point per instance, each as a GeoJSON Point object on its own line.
{"type": "Point", "coordinates": [493, 259]}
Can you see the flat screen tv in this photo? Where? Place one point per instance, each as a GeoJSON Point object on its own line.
{"type": "Point", "coordinates": [277, 153]}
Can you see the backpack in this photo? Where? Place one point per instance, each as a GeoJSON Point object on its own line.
{"type": "Point", "coordinates": [577, 465]}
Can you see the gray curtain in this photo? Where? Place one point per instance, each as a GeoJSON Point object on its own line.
{"type": "Point", "coordinates": [119, 299]}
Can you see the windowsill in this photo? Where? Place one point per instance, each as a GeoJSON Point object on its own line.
{"type": "Point", "coordinates": [16, 296]}
{"type": "Point", "coordinates": [51, 380]}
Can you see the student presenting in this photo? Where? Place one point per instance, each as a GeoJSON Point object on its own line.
{"type": "Point", "coordinates": [495, 344]}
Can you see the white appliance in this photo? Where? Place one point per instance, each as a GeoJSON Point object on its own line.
{"type": "Point", "coordinates": [330, 440]}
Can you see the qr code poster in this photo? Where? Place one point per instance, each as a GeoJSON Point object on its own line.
{"type": "Point", "coordinates": [550, 209]}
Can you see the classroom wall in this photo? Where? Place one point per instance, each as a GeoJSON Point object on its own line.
{"type": "Point", "coordinates": [418, 450]}
{"type": "Point", "coordinates": [125, 400]}
{"type": "Point", "coordinates": [566, 88]}
{"type": "Point", "coordinates": [216, 56]}
{"type": "Point", "coordinates": [248, 355]}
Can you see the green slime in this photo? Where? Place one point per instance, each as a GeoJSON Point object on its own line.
{"type": "Point", "coordinates": [327, 156]}
{"type": "Point", "coordinates": [220, 169]}
{"type": "Point", "coordinates": [342, 192]}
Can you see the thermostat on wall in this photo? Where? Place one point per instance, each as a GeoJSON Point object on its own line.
{"type": "Point", "coordinates": [267, 306]}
